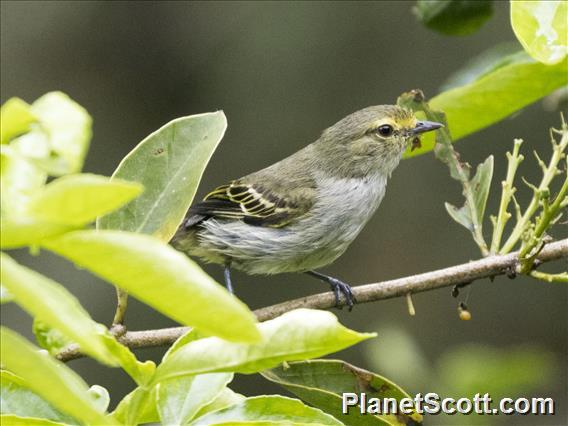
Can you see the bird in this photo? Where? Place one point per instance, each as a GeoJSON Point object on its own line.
{"type": "Point", "coordinates": [301, 213]}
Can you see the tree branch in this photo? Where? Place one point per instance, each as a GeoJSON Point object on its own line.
{"type": "Point", "coordinates": [460, 274]}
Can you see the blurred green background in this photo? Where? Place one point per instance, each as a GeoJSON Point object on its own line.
{"type": "Point", "coordinates": [282, 72]}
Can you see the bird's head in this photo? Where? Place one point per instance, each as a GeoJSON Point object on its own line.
{"type": "Point", "coordinates": [373, 138]}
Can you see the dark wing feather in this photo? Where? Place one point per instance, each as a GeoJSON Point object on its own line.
{"type": "Point", "coordinates": [251, 203]}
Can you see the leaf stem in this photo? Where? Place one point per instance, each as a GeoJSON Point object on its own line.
{"type": "Point", "coordinates": [503, 216]}
{"type": "Point", "coordinates": [543, 276]}
{"type": "Point", "coordinates": [121, 305]}
{"type": "Point", "coordinates": [551, 172]}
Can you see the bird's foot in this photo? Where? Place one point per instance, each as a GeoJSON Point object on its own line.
{"type": "Point", "coordinates": [338, 286]}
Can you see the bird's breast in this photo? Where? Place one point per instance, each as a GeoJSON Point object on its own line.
{"type": "Point", "coordinates": [345, 205]}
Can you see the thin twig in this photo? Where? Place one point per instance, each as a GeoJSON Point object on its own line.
{"type": "Point", "coordinates": [468, 272]}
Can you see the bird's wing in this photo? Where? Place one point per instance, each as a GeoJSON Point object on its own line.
{"type": "Point", "coordinates": [253, 204]}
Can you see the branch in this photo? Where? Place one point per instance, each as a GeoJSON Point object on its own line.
{"type": "Point", "coordinates": [460, 274]}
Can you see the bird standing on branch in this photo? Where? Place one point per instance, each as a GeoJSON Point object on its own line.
{"type": "Point", "coordinates": [301, 213]}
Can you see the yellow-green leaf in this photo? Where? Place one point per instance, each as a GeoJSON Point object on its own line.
{"type": "Point", "coordinates": [494, 96]}
{"type": "Point", "coordinates": [269, 410]}
{"type": "Point", "coordinates": [51, 303]}
{"type": "Point", "coordinates": [296, 335]}
{"type": "Point", "coordinates": [78, 199]}
{"type": "Point", "coordinates": [19, 400]}
{"type": "Point", "coordinates": [67, 126]}
{"type": "Point", "coordinates": [50, 379]}
{"type": "Point", "coordinates": [20, 179]}
{"type": "Point", "coordinates": [179, 399]}
{"type": "Point", "coordinates": [13, 420]}
{"type": "Point", "coordinates": [23, 231]}
{"type": "Point", "coordinates": [15, 119]}
{"type": "Point", "coordinates": [542, 28]}
{"type": "Point", "coordinates": [160, 276]}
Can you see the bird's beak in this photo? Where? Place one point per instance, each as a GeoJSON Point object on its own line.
{"type": "Point", "coordinates": [425, 126]}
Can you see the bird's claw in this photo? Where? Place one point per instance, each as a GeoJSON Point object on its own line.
{"type": "Point", "coordinates": [338, 286]}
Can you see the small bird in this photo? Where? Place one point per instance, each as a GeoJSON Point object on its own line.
{"type": "Point", "coordinates": [301, 213]}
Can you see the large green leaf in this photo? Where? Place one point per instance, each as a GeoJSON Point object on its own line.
{"type": "Point", "coordinates": [19, 400]}
{"type": "Point", "coordinates": [50, 379]}
{"type": "Point", "coordinates": [162, 277]}
{"type": "Point", "coordinates": [268, 410]}
{"type": "Point", "coordinates": [321, 383]}
{"type": "Point", "coordinates": [494, 96]}
{"type": "Point", "coordinates": [179, 399]}
{"type": "Point", "coordinates": [296, 335]}
{"type": "Point", "coordinates": [53, 304]}
{"type": "Point", "coordinates": [15, 119]}
{"type": "Point", "coordinates": [542, 28]}
{"type": "Point", "coordinates": [169, 163]}
{"type": "Point", "coordinates": [78, 199]}
{"type": "Point", "coordinates": [454, 17]}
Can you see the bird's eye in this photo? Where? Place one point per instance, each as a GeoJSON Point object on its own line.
{"type": "Point", "coordinates": [385, 130]}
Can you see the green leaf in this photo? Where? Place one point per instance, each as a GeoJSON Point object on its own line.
{"type": "Point", "coordinates": [50, 339]}
{"type": "Point", "coordinates": [181, 398]}
{"type": "Point", "coordinates": [5, 295]}
{"type": "Point", "coordinates": [296, 335]}
{"type": "Point", "coordinates": [76, 200]}
{"type": "Point", "coordinates": [19, 400]}
{"type": "Point", "coordinates": [160, 276]}
{"type": "Point", "coordinates": [68, 128]}
{"type": "Point", "coordinates": [191, 335]}
{"type": "Point", "coordinates": [141, 372]}
{"type": "Point", "coordinates": [51, 303]}
{"type": "Point", "coordinates": [169, 163]}
{"type": "Point", "coordinates": [225, 399]}
{"type": "Point", "coordinates": [12, 420]}
{"type": "Point", "coordinates": [472, 107]}
{"type": "Point", "coordinates": [20, 179]}
{"type": "Point", "coordinates": [454, 17]}
{"type": "Point", "coordinates": [139, 406]}
{"type": "Point", "coordinates": [480, 185]}
{"type": "Point", "coordinates": [15, 119]}
{"type": "Point", "coordinates": [268, 409]}
{"type": "Point", "coordinates": [461, 215]}
{"type": "Point", "coordinates": [321, 383]}
{"type": "Point", "coordinates": [487, 61]}
{"type": "Point", "coordinates": [20, 232]}
{"type": "Point", "coordinates": [50, 379]}
{"type": "Point", "coordinates": [542, 28]}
